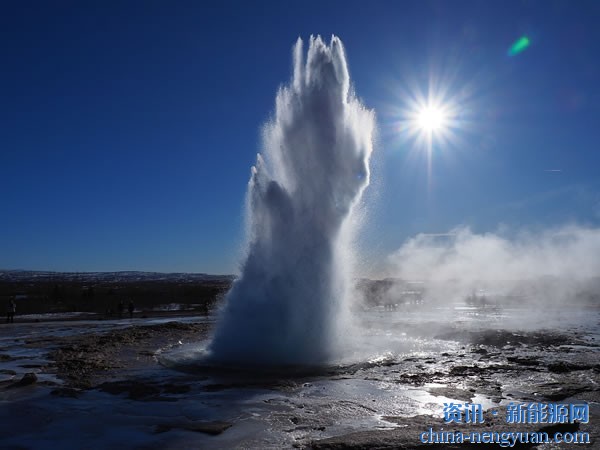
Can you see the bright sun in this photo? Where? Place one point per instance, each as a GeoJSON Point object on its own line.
{"type": "Point", "coordinates": [431, 119]}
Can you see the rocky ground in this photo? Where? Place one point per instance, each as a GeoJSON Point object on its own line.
{"type": "Point", "coordinates": [499, 365]}
{"type": "Point", "coordinates": [492, 367]}
{"type": "Point", "coordinates": [88, 361]}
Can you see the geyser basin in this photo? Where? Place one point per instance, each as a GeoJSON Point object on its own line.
{"type": "Point", "coordinates": [289, 305]}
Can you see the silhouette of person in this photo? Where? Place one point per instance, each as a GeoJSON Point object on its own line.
{"type": "Point", "coordinates": [121, 308]}
{"type": "Point", "coordinates": [131, 308]}
{"type": "Point", "coordinates": [10, 311]}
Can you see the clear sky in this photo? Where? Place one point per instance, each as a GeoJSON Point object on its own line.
{"type": "Point", "coordinates": [128, 128]}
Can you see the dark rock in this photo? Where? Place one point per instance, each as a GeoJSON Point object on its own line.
{"type": "Point", "coordinates": [216, 387]}
{"type": "Point", "coordinates": [566, 367]}
{"type": "Point", "coordinates": [415, 378]}
{"type": "Point", "coordinates": [162, 428]}
{"type": "Point", "coordinates": [66, 392]}
{"type": "Point", "coordinates": [502, 338]}
{"type": "Point", "coordinates": [28, 379]}
{"type": "Point", "coordinates": [136, 390]}
{"type": "Point", "coordinates": [176, 388]}
{"type": "Point", "coordinates": [213, 428]}
{"type": "Point", "coordinates": [559, 391]}
{"type": "Point", "coordinates": [466, 370]}
{"type": "Point", "coordinates": [561, 394]}
{"type": "Point", "coordinates": [559, 367]}
{"type": "Point", "coordinates": [523, 361]}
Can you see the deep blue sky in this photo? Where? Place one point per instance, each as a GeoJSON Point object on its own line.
{"type": "Point", "coordinates": [127, 129]}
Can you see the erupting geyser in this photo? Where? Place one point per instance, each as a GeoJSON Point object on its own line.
{"type": "Point", "coordinates": [289, 305]}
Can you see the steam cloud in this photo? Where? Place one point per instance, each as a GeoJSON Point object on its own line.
{"type": "Point", "coordinates": [545, 267]}
{"type": "Point", "coordinates": [289, 305]}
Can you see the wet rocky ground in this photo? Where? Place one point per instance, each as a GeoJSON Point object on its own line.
{"type": "Point", "coordinates": [99, 386]}
{"type": "Point", "coordinates": [493, 367]}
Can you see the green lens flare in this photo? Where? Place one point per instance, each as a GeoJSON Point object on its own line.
{"type": "Point", "coordinates": [521, 44]}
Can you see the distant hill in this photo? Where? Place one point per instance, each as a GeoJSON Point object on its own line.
{"type": "Point", "coordinates": [108, 277]}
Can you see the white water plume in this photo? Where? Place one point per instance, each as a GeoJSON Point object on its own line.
{"type": "Point", "coordinates": [289, 305]}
